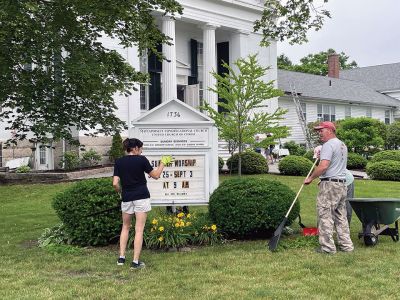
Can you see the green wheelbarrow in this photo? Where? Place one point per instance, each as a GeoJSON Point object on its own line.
{"type": "Point", "coordinates": [374, 212]}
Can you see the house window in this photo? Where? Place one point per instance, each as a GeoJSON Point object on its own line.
{"type": "Point", "coordinates": [347, 112]}
{"type": "Point", "coordinates": [387, 116]}
{"type": "Point", "coordinates": [326, 112]}
{"type": "Point", "coordinates": [42, 155]}
{"type": "Point", "coordinates": [304, 110]}
{"type": "Point", "coordinates": [201, 93]}
{"type": "Point", "coordinates": [143, 98]}
{"type": "Point", "coordinates": [368, 112]}
{"type": "Point", "coordinates": [1, 155]}
{"type": "Point", "coordinates": [199, 53]}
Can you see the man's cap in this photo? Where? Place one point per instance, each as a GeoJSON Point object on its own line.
{"type": "Point", "coordinates": [325, 124]}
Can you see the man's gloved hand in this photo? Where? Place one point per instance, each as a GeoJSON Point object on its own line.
{"type": "Point", "coordinates": [167, 159]}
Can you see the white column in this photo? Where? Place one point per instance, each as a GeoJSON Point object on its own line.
{"type": "Point", "coordinates": [210, 64]}
{"type": "Point", "coordinates": [168, 76]}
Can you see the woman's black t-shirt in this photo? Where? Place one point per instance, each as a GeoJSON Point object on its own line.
{"type": "Point", "coordinates": [130, 169]}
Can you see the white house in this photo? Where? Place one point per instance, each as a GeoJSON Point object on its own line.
{"type": "Point", "coordinates": [371, 92]}
{"type": "Point", "coordinates": [208, 32]}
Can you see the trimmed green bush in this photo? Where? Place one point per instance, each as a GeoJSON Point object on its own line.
{"type": "Point", "coordinates": [386, 155]}
{"type": "Point", "coordinates": [252, 163]}
{"type": "Point", "coordinates": [74, 206]}
{"type": "Point", "coordinates": [384, 170]}
{"type": "Point", "coordinates": [295, 165]}
{"type": "Point", "coordinates": [23, 169]}
{"type": "Point", "coordinates": [294, 149]}
{"type": "Point", "coordinates": [309, 154]}
{"type": "Point", "coordinates": [251, 207]}
{"type": "Point", "coordinates": [70, 160]}
{"type": "Point", "coordinates": [220, 163]}
{"type": "Point", "coordinates": [356, 161]}
{"type": "Point", "coordinates": [90, 158]}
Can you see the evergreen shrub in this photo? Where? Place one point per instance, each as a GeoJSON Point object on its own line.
{"type": "Point", "coordinates": [386, 155]}
{"type": "Point", "coordinates": [74, 206]}
{"type": "Point", "coordinates": [70, 160]}
{"type": "Point", "coordinates": [295, 165]}
{"type": "Point", "coordinates": [310, 155]}
{"type": "Point", "coordinates": [90, 158]}
{"type": "Point", "coordinates": [356, 161]}
{"type": "Point", "coordinates": [294, 149]}
{"type": "Point", "coordinates": [117, 148]}
{"type": "Point", "coordinates": [251, 207]}
{"type": "Point", "coordinates": [252, 163]}
{"type": "Point", "coordinates": [220, 163]}
{"type": "Point", "coordinates": [384, 170]}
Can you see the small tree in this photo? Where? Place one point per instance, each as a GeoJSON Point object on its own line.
{"type": "Point", "coordinates": [117, 149]}
{"type": "Point", "coordinates": [243, 93]}
{"type": "Point", "coordinates": [393, 136]}
{"type": "Point", "coordinates": [362, 135]}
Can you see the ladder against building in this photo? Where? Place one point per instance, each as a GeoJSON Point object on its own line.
{"type": "Point", "coordinates": [300, 115]}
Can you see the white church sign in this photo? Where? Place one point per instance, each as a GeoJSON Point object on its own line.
{"type": "Point", "coordinates": [174, 128]}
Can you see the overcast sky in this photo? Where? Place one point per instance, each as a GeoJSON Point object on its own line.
{"type": "Point", "coordinates": [366, 30]}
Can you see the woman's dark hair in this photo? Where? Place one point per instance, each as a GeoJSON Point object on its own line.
{"type": "Point", "coordinates": [130, 144]}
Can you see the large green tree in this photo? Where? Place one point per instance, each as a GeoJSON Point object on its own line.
{"type": "Point", "coordinates": [244, 93]}
{"type": "Point", "coordinates": [290, 20]}
{"type": "Point", "coordinates": [54, 72]}
{"type": "Point", "coordinates": [315, 63]}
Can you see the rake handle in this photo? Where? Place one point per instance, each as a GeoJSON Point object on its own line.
{"type": "Point", "coordinates": [298, 193]}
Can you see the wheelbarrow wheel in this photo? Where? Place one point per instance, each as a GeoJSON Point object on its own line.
{"type": "Point", "coordinates": [370, 240]}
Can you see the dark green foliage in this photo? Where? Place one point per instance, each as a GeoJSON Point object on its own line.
{"type": "Point", "coordinates": [90, 158]}
{"type": "Point", "coordinates": [117, 149]}
{"type": "Point", "coordinates": [69, 161]}
{"type": "Point", "coordinates": [393, 135]}
{"type": "Point", "coordinates": [251, 207]}
{"type": "Point", "coordinates": [315, 63]}
{"type": "Point", "coordinates": [384, 170]}
{"type": "Point", "coordinates": [294, 149]}
{"type": "Point", "coordinates": [362, 135]}
{"type": "Point", "coordinates": [74, 77]}
{"type": "Point", "coordinates": [86, 197]}
{"type": "Point", "coordinates": [309, 154]}
{"type": "Point", "coordinates": [295, 165]}
{"type": "Point", "coordinates": [386, 155]}
{"type": "Point", "coordinates": [220, 163]}
{"type": "Point", "coordinates": [252, 163]}
{"type": "Point", "coordinates": [356, 161]}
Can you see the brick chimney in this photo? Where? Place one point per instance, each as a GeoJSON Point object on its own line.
{"type": "Point", "coordinates": [333, 65]}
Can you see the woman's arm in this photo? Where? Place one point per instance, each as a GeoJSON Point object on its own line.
{"type": "Point", "coordinates": [116, 184]}
{"type": "Point", "coordinates": [157, 172]}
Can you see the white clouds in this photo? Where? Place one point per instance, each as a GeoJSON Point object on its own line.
{"type": "Point", "coordinates": [366, 30]}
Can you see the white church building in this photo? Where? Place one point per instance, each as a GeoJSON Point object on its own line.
{"type": "Point", "coordinates": [207, 33]}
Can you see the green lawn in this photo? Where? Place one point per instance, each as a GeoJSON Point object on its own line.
{"type": "Point", "coordinates": [236, 270]}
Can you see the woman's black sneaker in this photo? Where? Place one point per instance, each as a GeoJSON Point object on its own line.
{"type": "Point", "coordinates": [139, 265]}
{"type": "Point", "coordinates": [120, 261]}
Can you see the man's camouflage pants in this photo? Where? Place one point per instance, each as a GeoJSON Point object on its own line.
{"type": "Point", "coordinates": [331, 208]}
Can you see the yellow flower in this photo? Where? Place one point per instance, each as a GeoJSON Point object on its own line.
{"type": "Point", "coordinates": [177, 220]}
{"type": "Point", "coordinates": [180, 215]}
{"type": "Point", "coordinates": [177, 224]}
{"type": "Point", "coordinates": [161, 238]}
{"type": "Point", "coordinates": [213, 227]}
{"type": "Point", "coordinates": [182, 224]}
{"type": "Point", "coordinates": [154, 222]}
{"type": "Point", "coordinates": [188, 216]}
{"type": "Point", "coordinates": [161, 228]}
{"type": "Point", "coordinates": [188, 223]}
